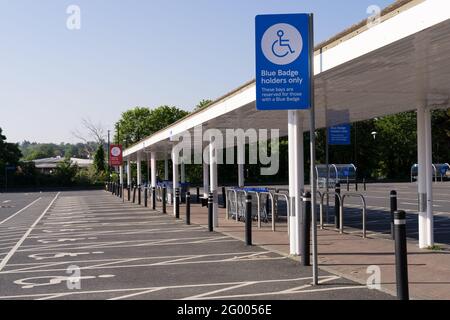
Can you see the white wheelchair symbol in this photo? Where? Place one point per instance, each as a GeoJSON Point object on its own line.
{"type": "Point", "coordinates": [282, 44]}
{"type": "Point", "coordinates": [29, 283]}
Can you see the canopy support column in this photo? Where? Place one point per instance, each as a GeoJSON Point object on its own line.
{"type": "Point", "coordinates": [429, 175]}
{"type": "Point", "coordinates": [213, 180]}
{"type": "Point", "coordinates": [153, 168]}
{"type": "Point", "coordinates": [205, 179]}
{"type": "Point", "coordinates": [139, 169]}
{"type": "Point", "coordinates": [295, 173]}
{"type": "Point", "coordinates": [175, 177]}
{"type": "Point", "coordinates": [128, 173]}
{"type": "Point", "coordinates": [121, 174]}
{"type": "Point", "coordinates": [299, 177]}
{"type": "Point", "coordinates": [241, 177]}
{"type": "Point", "coordinates": [422, 177]}
{"type": "Point", "coordinates": [166, 168]}
{"type": "Point", "coordinates": [183, 172]}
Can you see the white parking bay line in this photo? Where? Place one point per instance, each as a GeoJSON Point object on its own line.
{"type": "Point", "coordinates": [19, 243]}
{"type": "Point", "coordinates": [10, 217]}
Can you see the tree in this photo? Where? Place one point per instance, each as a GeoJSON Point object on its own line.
{"type": "Point", "coordinates": [66, 172]}
{"type": "Point", "coordinates": [202, 104]}
{"type": "Point", "coordinates": [395, 146]}
{"type": "Point", "coordinates": [140, 122]}
{"type": "Point", "coordinates": [99, 159]}
{"type": "Point", "coordinates": [9, 152]}
{"type": "Point", "coordinates": [95, 131]}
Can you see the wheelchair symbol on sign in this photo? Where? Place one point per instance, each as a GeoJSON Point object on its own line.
{"type": "Point", "coordinates": [281, 45]}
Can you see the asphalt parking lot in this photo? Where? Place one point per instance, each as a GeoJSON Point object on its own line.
{"type": "Point", "coordinates": [124, 251]}
{"type": "Point", "coordinates": [378, 209]}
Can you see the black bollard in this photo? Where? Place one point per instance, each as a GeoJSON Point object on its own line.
{"type": "Point", "coordinates": [348, 185]}
{"type": "Point", "coordinates": [364, 182]}
{"type": "Point", "coordinates": [177, 203]}
{"type": "Point", "coordinates": [393, 197]}
{"type": "Point", "coordinates": [164, 194]}
{"type": "Point", "coordinates": [129, 192]}
{"type": "Point", "coordinates": [224, 197]}
{"type": "Point", "coordinates": [188, 208]}
{"type": "Point", "coordinates": [145, 197]}
{"type": "Point", "coordinates": [401, 255]}
{"type": "Point", "coordinates": [305, 225]}
{"type": "Point", "coordinates": [198, 194]}
{"type": "Point", "coordinates": [134, 194]}
{"type": "Point", "coordinates": [153, 198]}
{"type": "Point", "coordinates": [210, 212]}
{"type": "Point", "coordinates": [337, 205]}
{"type": "Point", "coordinates": [248, 220]}
{"type": "Point", "coordinates": [139, 195]}
{"type": "Point", "coordinates": [356, 185]}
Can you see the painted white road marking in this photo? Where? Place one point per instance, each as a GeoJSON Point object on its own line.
{"type": "Point", "coordinates": [21, 210]}
{"type": "Point", "coordinates": [18, 244]}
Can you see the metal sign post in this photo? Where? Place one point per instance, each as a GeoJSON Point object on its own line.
{"type": "Point", "coordinates": [313, 153]}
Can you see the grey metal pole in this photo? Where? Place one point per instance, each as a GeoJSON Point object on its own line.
{"type": "Point", "coordinates": [313, 154]}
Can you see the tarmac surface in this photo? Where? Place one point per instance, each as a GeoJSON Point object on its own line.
{"type": "Point", "coordinates": [91, 245]}
{"type": "Point", "coordinates": [378, 209]}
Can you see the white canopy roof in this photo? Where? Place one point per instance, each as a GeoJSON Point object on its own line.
{"type": "Point", "coordinates": [397, 65]}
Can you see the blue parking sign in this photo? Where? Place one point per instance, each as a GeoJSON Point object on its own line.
{"type": "Point", "coordinates": [339, 135]}
{"type": "Point", "coordinates": [283, 62]}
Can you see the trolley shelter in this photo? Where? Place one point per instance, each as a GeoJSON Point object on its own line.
{"type": "Point", "coordinates": [336, 173]}
{"type": "Point", "coordinates": [362, 73]}
{"type": "Point", "coordinates": [440, 171]}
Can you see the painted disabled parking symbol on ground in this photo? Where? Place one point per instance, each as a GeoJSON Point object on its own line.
{"type": "Point", "coordinates": [282, 44]}
{"type": "Point", "coordinates": [30, 283]}
{"type": "Point", "coordinates": [42, 256]}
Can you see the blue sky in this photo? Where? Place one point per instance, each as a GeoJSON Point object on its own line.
{"type": "Point", "coordinates": [132, 53]}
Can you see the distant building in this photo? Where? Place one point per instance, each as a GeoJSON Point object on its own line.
{"type": "Point", "coordinates": [48, 165]}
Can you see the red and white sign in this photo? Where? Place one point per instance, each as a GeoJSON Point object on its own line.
{"type": "Point", "coordinates": [115, 155]}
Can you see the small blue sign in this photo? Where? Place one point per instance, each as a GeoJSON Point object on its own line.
{"type": "Point", "coordinates": [339, 135]}
{"type": "Point", "coordinates": [283, 79]}
{"type": "Point", "coordinates": [444, 170]}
